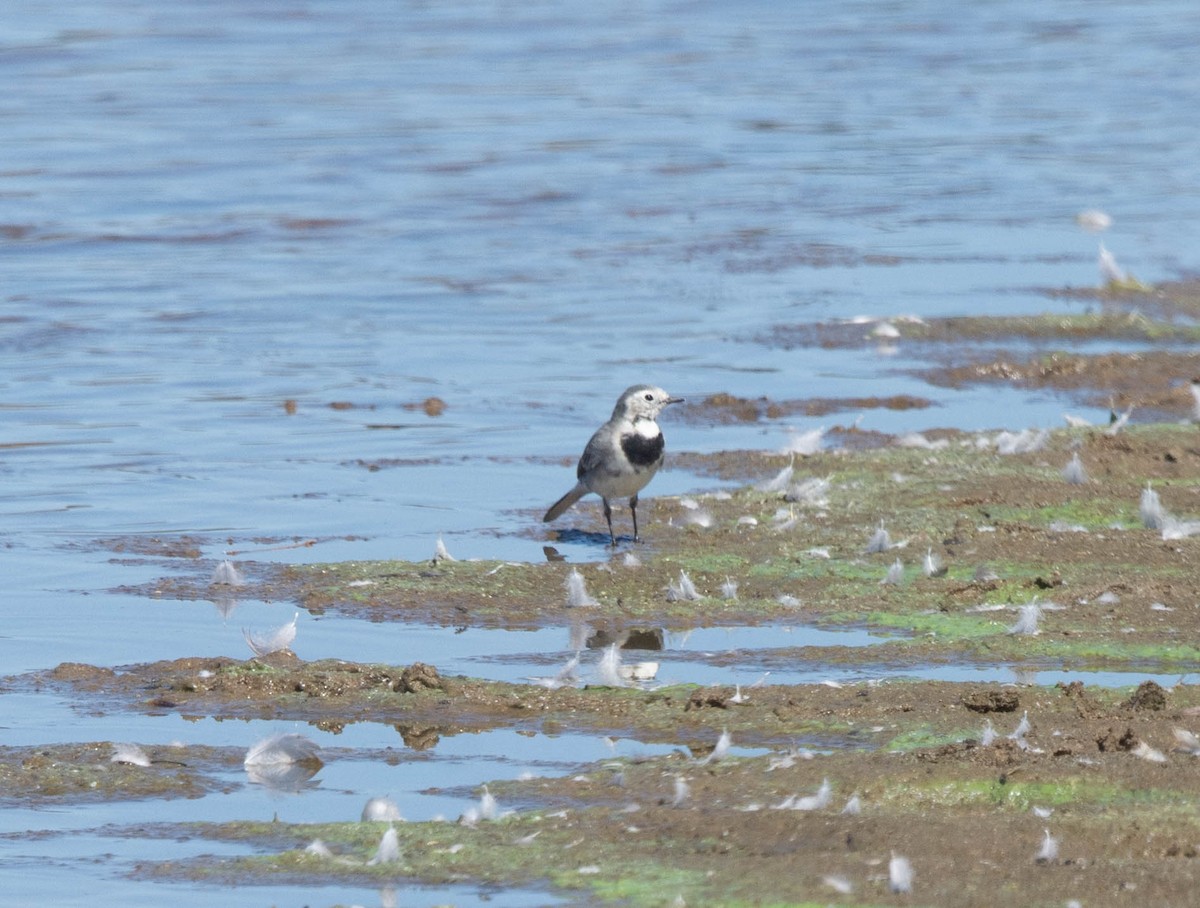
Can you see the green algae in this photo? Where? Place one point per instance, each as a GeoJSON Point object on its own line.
{"type": "Point", "coordinates": [1041, 537]}
{"type": "Point", "coordinates": [81, 773]}
{"type": "Point", "coordinates": [1077, 793]}
{"type": "Point", "coordinates": [910, 748]}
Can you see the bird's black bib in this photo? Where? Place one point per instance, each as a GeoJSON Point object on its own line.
{"type": "Point", "coordinates": [642, 451]}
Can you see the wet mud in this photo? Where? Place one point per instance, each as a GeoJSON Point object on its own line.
{"type": "Point", "coordinates": [1033, 551]}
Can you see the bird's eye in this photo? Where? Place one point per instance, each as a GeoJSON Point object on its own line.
{"type": "Point", "coordinates": [649, 396]}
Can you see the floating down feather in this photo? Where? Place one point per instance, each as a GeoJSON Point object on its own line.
{"type": "Point", "coordinates": [273, 641]}
{"type": "Point", "coordinates": [383, 810]}
{"type": "Point", "coordinates": [609, 668]}
{"type": "Point", "coordinates": [282, 749]}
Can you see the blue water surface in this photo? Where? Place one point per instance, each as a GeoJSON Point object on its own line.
{"type": "Point", "coordinates": [210, 209]}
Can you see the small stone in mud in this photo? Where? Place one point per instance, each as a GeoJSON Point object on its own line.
{"type": "Point", "coordinates": [432, 406]}
{"type": "Point", "coordinates": [1085, 705]}
{"type": "Point", "coordinates": [1149, 695]}
{"type": "Point", "coordinates": [1110, 741]}
{"type": "Point", "coordinates": [706, 697]}
{"type": "Point", "coordinates": [992, 701]}
{"type": "Point", "coordinates": [418, 677]}
{"type": "Point", "coordinates": [80, 671]}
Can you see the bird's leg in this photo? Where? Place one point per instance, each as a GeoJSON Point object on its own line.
{"type": "Point", "coordinates": [608, 517]}
{"type": "Point", "coordinates": [633, 511]}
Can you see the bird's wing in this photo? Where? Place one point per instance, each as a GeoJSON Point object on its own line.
{"type": "Point", "coordinates": [598, 447]}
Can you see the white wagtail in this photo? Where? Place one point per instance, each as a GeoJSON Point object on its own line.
{"type": "Point", "coordinates": [623, 455]}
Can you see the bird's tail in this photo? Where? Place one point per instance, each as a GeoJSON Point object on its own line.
{"type": "Point", "coordinates": [565, 502]}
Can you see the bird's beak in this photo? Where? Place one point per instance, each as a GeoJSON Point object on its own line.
{"type": "Point", "coordinates": [674, 400]}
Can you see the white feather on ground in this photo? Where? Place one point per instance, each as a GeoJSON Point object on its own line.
{"type": "Point", "coordinates": [1188, 741]}
{"type": "Point", "coordinates": [129, 754]}
{"type": "Point", "coordinates": [894, 574]}
{"type": "Point", "coordinates": [838, 884]}
{"type": "Point", "coordinates": [804, 443]}
{"type": "Point", "coordinates": [1174, 528]}
{"type": "Point", "coordinates": [565, 676]}
{"type": "Point", "coordinates": [900, 874]}
{"type": "Point", "coordinates": [930, 566]}
{"type": "Point", "coordinates": [1150, 509]}
{"type": "Point", "coordinates": [489, 809]}
{"type": "Point", "coordinates": [779, 482]}
{"type": "Point", "coordinates": [1144, 751]}
{"type": "Point", "coordinates": [1027, 622]}
{"type": "Point", "coordinates": [225, 574]}
{"type": "Point", "coordinates": [273, 641]}
{"type": "Point", "coordinates": [1074, 472]}
{"type": "Point", "coordinates": [1022, 729]}
{"type": "Point", "coordinates": [721, 749]}
{"type": "Point", "coordinates": [729, 589]}
{"type": "Point", "coordinates": [282, 749]}
{"type": "Point", "coordinates": [577, 594]}
{"type": "Point", "coordinates": [1048, 853]}
{"type": "Point", "coordinates": [685, 590]}
{"type": "Point", "coordinates": [441, 553]}
{"type": "Point", "coordinates": [917, 440]}
{"type": "Point", "coordinates": [389, 848]}
{"type": "Point", "coordinates": [819, 801]}
{"type": "Point", "coordinates": [880, 541]}
{"type": "Point", "coordinates": [682, 792]}
{"type": "Point", "coordinates": [1027, 441]}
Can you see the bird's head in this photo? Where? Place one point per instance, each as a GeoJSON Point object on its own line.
{"type": "Point", "coordinates": [643, 402]}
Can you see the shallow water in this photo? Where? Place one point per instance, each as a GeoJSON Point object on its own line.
{"type": "Point", "coordinates": [210, 209]}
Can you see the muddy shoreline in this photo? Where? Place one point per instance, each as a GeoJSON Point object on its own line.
{"type": "Point", "coordinates": [1025, 550]}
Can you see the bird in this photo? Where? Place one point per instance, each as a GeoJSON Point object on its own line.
{"type": "Point", "coordinates": [622, 456]}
